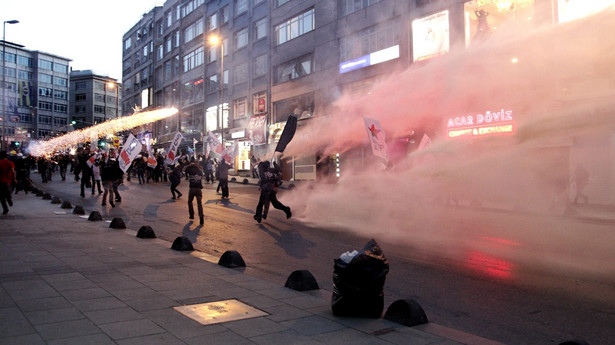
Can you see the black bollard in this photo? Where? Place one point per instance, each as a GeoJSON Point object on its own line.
{"type": "Point", "coordinates": [146, 231]}
{"type": "Point", "coordinates": [95, 216]}
{"type": "Point", "coordinates": [66, 204]}
{"type": "Point", "coordinates": [407, 312]}
{"type": "Point", "coordinates": [78, 210]}
{"type": "Point", "coordinates": [182, 243]}
{"type": "Point", "coordinates": [117, 223]}
{"type": "Point", "coordinates": [231, 259]}
{"type": "Point", "coordinates": [56, 200]}
{"type": "Point", "coordinates": [301, 280]}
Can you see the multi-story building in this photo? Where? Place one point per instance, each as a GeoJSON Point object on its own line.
{"type": "Point", "coordinates": [285, 57]}
{"type": "Point", "coordinates": [94, 98]}
{"type": "Point", "coordinates": [36, 100]}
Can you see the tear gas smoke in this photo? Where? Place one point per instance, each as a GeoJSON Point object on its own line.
{"type": "Point", "coordinates": [66, 141]}
{"type": "Point", "coordinates": [560, 89]}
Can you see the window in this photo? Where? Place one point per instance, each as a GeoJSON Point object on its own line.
{"type": "Point", "coordinates": [295, 27]}
{"type": "Point", "coordinates": [24, 61]}
{"type": "Point", "coordinates": [45, 64]}
{"type": "Point", "coordinates": [44, 119]}
{"type": "Point", "coordinates": [259, 102]}
{"type": "Point", "coordinates": [9, 72]}
{"type": "Point", "coordinates": [225, 14]}
{"type": "Point", "coordinates": [176, 42]}
{"type": "Point", "coordinates": [369, 41]}
{"type": "Point", "coordinates": [212, 54]}
{"type": "Point", "coordinates": [45, 78]}
{"type": "Point", "coordinates": [239, 108]}
{"type": "Point", "coordinates": [60, 81]}
{"type": "Point", "coordinates": [169, 19]}
{"type": "Point", "coordinates": [60, 108]}
{"type": "Point", "coordinates": [260, 29]}
{"type": "Point", "coordinates": [241, 6]}
{"type": "Point", "coordinates": [241, 74]}
{"type": "Point", "coordinates": [99, 86]}
{"type": "Point", "coordinates": [80, 85]}
{"type": "Point", "coordinates": [260, 65]}
{"type": "Point", "coordinates": [194, 30]}
{"type": "Point", "coordinates": [241, 38]}
{"type": "Point", "coordinates": [127, 43]}
{"type": "Point", "coordinates": [99, 97]}
{"type": "Point", "coordinates": [80, 109]}
{"type": "Point", "coordinates": [160, 52]}
{"type": "Point", "coordinates": [214, 85]}
{"type": "Point", "coordinates": [295, 69]}
{"type": "Point", "coordinates": [256, 2]}
{"type": "Point", "coordinates": [99, 109]}
{"type": "Point", "coordinates": [279, 3]}
{"type": "Point", "coordinates": [45, 91]}
{"type": "Point", "coordinates": [60, 121]}
{"type": "Point", "coordinates": [80, 97]}
{"type": "Point", "coordinates": [60, 68]}
{"type": "Point", "coordinates": [44, 133]}
{"type": "Point", "coordinates": [98, 119]}
{"type": "Point", "coordinates": [349, 6]}
{"type": "Point", "coordinates": [24, 75]}
{"type": "Point", "coordinates": [57, 94]}
{"type": "Point", "coordinates": [193, 59]}
{"type": "Point", "coordinates": [169, 44]}
{"type": "Point", "coordinates": [212, 22]}
{"type": "Point", "coordinates": [10, 57]}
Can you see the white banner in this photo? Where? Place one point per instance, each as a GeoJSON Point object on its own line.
{"type": "Point", "coordinates": [173, 148]}
{"type": "Point", "coordinates": [214, 143]}
{"type": "Point", "coordinates": [132, 147]}
{"type": "Point", "coordinates": [376, 137]}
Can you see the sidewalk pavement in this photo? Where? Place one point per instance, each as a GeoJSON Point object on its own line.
{"type": "Point", "coordinates": [67, 280]}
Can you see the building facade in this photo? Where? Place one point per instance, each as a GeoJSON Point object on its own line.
{"type": "Point", "coordinates": [297, 57]}
{"type": "Point", "coordinates": [36, 95]}
{"type": "Point", "coordinates": [94, 99]}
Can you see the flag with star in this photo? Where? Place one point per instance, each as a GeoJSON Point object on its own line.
{"type": "Point", "coordinates": [376, 137]}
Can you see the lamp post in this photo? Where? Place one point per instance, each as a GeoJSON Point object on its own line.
{"type": "Point", "coordinates": [215, 40]}
{"type": "Point", "coordinates": [4, 141]}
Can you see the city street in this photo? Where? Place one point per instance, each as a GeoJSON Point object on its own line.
{"type": "Point", "coordinates": [505, 298]}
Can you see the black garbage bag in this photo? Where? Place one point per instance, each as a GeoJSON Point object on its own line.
{"type": "Point", "coordinates": [358, 286]}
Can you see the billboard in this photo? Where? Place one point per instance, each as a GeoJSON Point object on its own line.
{"type": "Point", "coordinates": [430, 36]}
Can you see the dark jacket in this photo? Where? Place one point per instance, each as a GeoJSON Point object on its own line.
{"type": "Point", "coordinates": [195, 175]}
{"type": "Point", "coordinates": [222, 170]}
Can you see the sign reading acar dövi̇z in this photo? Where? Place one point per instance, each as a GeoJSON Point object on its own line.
{"type": "Point", "coordinates": [490, 123]}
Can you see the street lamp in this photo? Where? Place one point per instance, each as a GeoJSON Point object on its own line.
{"type": "Point", "coordinates": [4, 142]}
{"type": "Point", "coordinates": [215, 40]}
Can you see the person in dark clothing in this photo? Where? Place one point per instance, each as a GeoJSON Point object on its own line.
{"type": "Point", "coordinates": [175, 178]}
{"type": "Point", "coordinates": [271, 178]}
{"type": "Point", "coordinates": [63, 162]}
{"type": "Point", "coordinates": [222, 174]}
{"type": "Point", "coordinates": [107, 175]}
{"type": "Point", "coordinates": [86, 173]}
{"type": "Point", "coordinates": [7, 179]}
{"type": "Point", "coordinates": [140, 168]}
{"type": "Point", "coordinates": [118, 179]}
{"type": "Point", "coordinates": [195, 177]}
{"type": "Point", "coordinates": [209, 170]}
{"type": "Point", "coordinates": [254, 163]}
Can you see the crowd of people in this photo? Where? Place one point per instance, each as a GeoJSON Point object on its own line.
{"type": "Point", "coordinates": [100, 172]}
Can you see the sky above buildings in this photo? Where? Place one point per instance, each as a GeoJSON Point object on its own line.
{"type": "Point", "coordinates": [87, 32]}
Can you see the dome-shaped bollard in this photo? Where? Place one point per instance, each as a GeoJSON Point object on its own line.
{"type": "Point", "coordinates": [301, 280]}
{"type": "Point", "coordinates": [117, 223]}
{"type": "Point", "coordinates": [66, 204]}
{"type": "Point", "coordinates": [407, 312]}
{"type": "Point", "coordinates": [95, 216]}
{"type": "Point", "coordinates": [146, 231]}
{"type": "Point", "coordinates": [78, 210]}
{"type": "Point", "coordinates": [56, 200]}
{"type": "Point", "coordinates": [182, 243]}
{"type": "Point", "coordinates": [231, 259]}
{"type": "Point", "coordinates": [47, 196]}
{"type": "Point", "coordinates": [39, 192]}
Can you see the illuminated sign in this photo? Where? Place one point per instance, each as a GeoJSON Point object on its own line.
{"type": "Point", "coordinates": [489, 123]}
{"type": "Point", "coordinates": [430, 36]}
{"type": "Point", "coordinates": [370, 60]}
{"type": "Point", "coordinates": [568, 10]}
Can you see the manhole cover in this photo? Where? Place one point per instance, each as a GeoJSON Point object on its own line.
{"type": "Point", "coordinates": [220, 311]}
